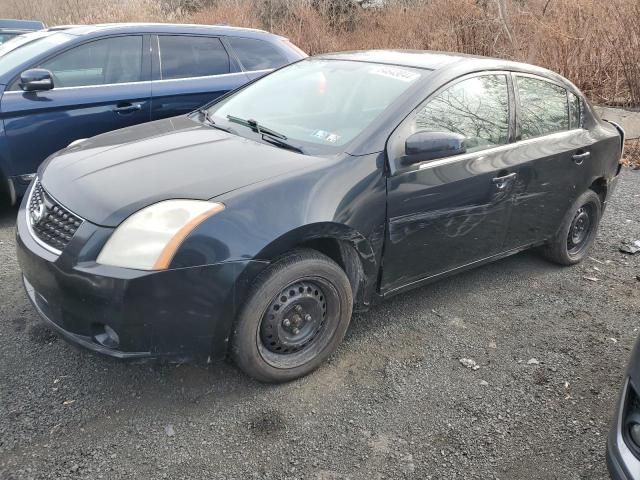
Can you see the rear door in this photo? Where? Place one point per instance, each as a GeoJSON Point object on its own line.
{"type": "Point", "coordinates": [190, 71]}
{"type": "Point", "coordinates": [555, 159]}
{"type": "Point", "coordinates": [99, 86]}
{"type": "Point", "coordinates": [450, 212]}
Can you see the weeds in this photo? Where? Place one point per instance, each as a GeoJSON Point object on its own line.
{"type": "Point", "coordinates": [595, 44]}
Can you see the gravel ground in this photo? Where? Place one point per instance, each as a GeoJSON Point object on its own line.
{"type": "Point", "coordinates": [394, 402]}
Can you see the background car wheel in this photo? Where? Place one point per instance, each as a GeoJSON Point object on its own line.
{"type": "Point", "coordinates": [578, 231]}
{"type": "Point", "coordinates": [295, 317]}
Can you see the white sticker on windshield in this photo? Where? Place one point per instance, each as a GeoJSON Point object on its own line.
{"type": "Point", "coordinates": [326, 136]}
{"type": "Point", "coordinates": [396, 73]}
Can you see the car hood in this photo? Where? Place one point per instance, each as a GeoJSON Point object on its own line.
{"type": "Point", "coordinates": [107, 178]}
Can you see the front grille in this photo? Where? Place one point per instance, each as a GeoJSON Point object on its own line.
{"type": "Point", "coordinates": [50, 222]}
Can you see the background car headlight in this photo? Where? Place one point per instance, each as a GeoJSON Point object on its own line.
{"type": "Point", "coordinates": [149, 239]}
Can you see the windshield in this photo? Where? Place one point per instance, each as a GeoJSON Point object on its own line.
{"type": "Point", "coordinates": [317, 103]}
{"type": "Point", "coordinates": [4, 37]}
{"type": "Point", "coordinates": [21, 48]}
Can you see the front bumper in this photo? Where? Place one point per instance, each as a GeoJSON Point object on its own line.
{"type": "Point", "coordinates": [621, 462]}
{"type": "Point", "coordinates": [184, 313]}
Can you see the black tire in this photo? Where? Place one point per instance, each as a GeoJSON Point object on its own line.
{"type": "Point", "coordinates": [296, 315]}
{"type": "Point", "coordinates": [577, 232]}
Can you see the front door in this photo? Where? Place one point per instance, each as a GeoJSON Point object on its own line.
{"type": "Point", "coordinates": [446, 213]}
{"type": "Point", "coordinates": [99, 86]}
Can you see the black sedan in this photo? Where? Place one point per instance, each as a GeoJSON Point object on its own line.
{"type": "Point", "coordinates": [623, 447]}
{"type": "Point", "coordinates": [253, 227]}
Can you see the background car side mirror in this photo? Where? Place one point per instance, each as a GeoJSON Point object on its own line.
{"type": "Point", "coordinates": [36, 79]}
{"type": "Point", "coordinates": [422, 146]}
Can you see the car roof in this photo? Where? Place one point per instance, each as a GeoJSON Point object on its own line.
{"type": "Point", "coordinates": [6, 23]}
{"type": "Point", "coordinates": [115, 28]}
{"type": "Point", "coordinates": [458, 63]}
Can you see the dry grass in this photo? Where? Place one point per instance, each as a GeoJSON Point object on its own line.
{"type": "Point", "coordinates": [595, 44]}
{"type": "Point", "coordinates": [632, 153]}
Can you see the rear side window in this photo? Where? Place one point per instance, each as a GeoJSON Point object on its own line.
{"type": "Point", "coordinates": [256, 54]}
{"type": "Point", "coordinates": [185, 57]}
{"type": "Point", "coordinates": [477, 108]}
{"type": "Point", "coordinates": [106, 61]}
{"type": "Point", "coordinates": [543, 107]}
{"type": "Point", "coordinates": [575, 111]}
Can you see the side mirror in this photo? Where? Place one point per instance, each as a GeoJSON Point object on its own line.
{"type": "Point", "coordinates": [422, 146]}
{"type": "Point", "coordinates": [36, 79]}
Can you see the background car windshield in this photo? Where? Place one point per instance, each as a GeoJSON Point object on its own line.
{"type": "Point", "coordinates": [320, 102]}
{"type": "Point", "coordinates": [24, 47]}
{"type": "Point", "coordinates": [4, 37]}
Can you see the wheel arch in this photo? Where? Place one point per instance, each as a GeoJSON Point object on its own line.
{"type": "Point", "coordinates": [600, 187]}
{"type": "Point", "coordinates": [343, 244]}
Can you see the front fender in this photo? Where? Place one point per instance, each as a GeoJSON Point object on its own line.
{"type": "Point", "coordinates": [341, 199]}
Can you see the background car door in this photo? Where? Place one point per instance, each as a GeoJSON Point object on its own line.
{"type": "Point", "coordinates": [190, 71]}
{"type": "Point", "coordinates": [446, 213]}
{"type": "Point", "coordinates": [99, 86]}
{"type": "Point", "coordinates": [554, 155]}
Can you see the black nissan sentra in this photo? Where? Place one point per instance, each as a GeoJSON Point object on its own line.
{"type": "Point", "coordinates": [256, 225]}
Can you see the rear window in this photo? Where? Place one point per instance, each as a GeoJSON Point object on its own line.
{"type": "Point", "coordinates": [575, 111]}
{"type": "Point", "coordinates": [256, 54]}
{"type": "Point", "coordinates": [191, 56]}
{"type": "Point", "coordinates": [543, 107]}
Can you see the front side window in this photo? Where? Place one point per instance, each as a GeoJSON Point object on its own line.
{"type": "Point", "coordinates": [191, 56]}
{"type": "Point", "coordinates": [319, 104]}
{"type": "Point", "coordinates": [543, 107]}
{"type": "Point", "coordinates": [477, 108]}
{"type": "Point", "coordinates": [24, 47]}
{"type": "Point", "coordinates": [103, 62]}
{"type": "Point", "coordinates": [256, 54]}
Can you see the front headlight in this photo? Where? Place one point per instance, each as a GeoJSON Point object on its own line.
{"type": "Point", "coordinates": [149, 239]}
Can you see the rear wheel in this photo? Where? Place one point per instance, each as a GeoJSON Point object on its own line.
{"type": "Point", "coordinates": [578, 231]}
{"type": "Point", "coordinates": [295, 317]}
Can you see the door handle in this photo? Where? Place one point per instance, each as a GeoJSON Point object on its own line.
{"type": "Point", "coordinates": [502, 182]}
{"type": "Point", "coordinates": [127, 107]}
{"type": "Point", "coordinates": [578, 158]}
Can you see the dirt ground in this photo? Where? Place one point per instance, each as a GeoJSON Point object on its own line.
{"type": "Point", "coordinates": [393, 402]}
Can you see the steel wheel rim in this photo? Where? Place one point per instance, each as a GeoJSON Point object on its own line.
{"type": "Point", "coordinates": [580, 230]}
{"type": "Point", "coordinates": [294, 318]}
{"type": "Point", "coordinates": [315, 333]}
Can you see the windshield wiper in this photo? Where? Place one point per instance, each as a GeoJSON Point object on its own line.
{"type": "Point", "coordinates": [268, 135]}
{"type": "Point", "coordinates": [256, 127]}
{"type": "Point", "coordinates": [279, 142]}
{"type": "Point", "coordinates": [211, 122]}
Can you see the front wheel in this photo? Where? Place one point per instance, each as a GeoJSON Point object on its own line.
{"type": "Point", "coordinates": [578, 231]}
{"type": "Point", "coordinates": [295, 317]}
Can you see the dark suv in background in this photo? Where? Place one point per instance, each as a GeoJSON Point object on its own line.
{"type": "Point", "coordinates": [12, 28]}
{"type": "Point", "coordinates": [68, 83]}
